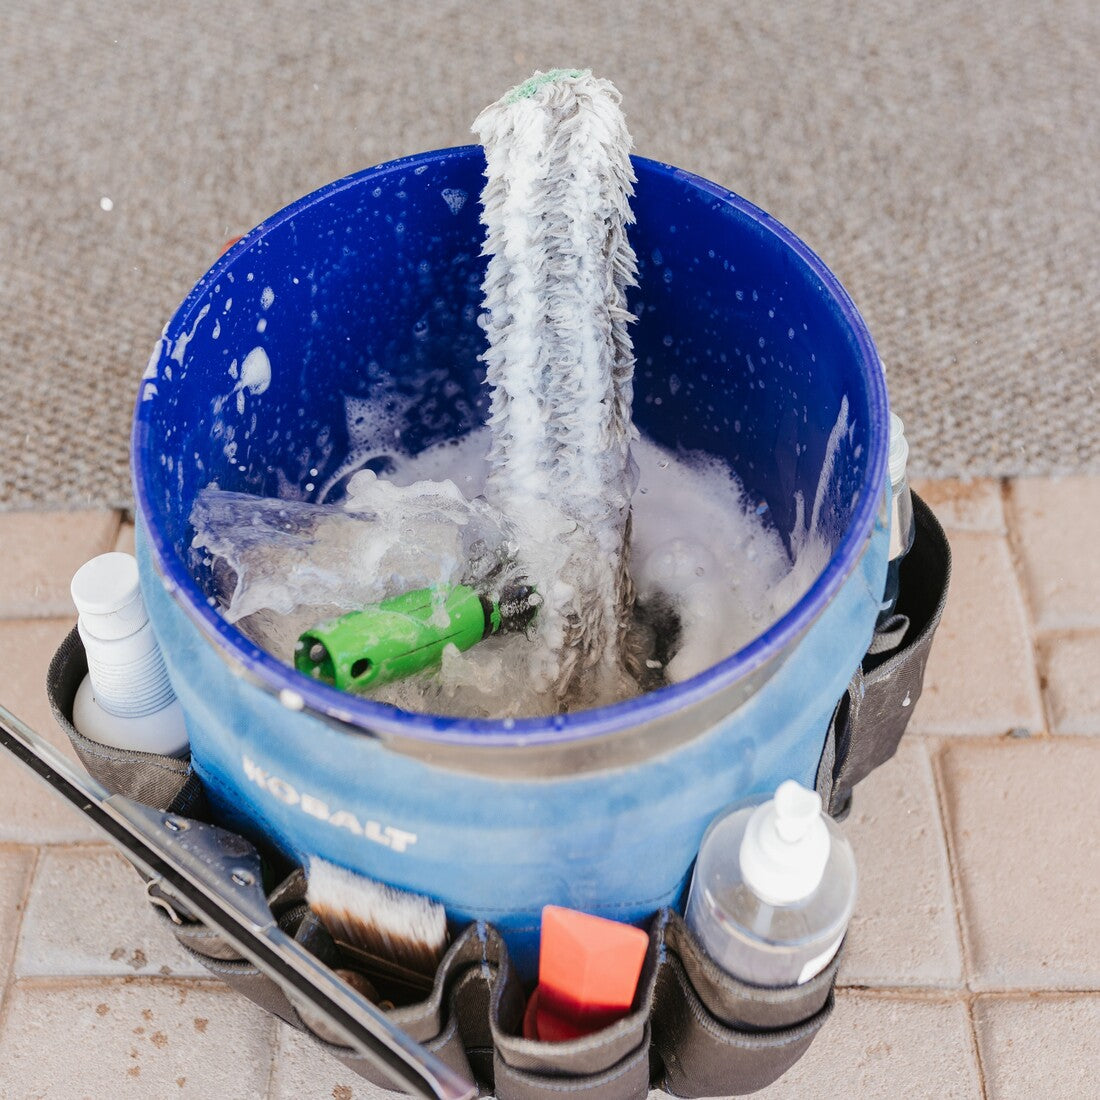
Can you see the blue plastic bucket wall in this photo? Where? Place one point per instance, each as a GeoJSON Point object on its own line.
{"type": "Point", "coordinates": [365, 297]}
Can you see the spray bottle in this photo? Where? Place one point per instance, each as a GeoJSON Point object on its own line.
{"type": "Point", "coordinates": [773, 889]}
{"type": "Point", "coordinates": [126, 700]}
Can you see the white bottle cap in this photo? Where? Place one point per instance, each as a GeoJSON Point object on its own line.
{"type": "Point", "coordinates": [786, 846]}
{"type": "Point", "coordinates": [899, 449]}
{"type": "Point", "coordinates": [107, 594]}
{"type": "Point", "coordinates": [124, 661]}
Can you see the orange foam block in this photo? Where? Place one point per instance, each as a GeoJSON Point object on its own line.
{"type": "Point", "coordinates": [588, 972]}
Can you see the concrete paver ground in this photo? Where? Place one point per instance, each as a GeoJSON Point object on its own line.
{"type": "Point", "coordinates": [973, 966]}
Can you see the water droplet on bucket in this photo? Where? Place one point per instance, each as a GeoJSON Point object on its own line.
{"type": "Point", "coordinates": [291, 699]}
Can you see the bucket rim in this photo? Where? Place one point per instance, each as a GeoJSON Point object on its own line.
{"type": "Point", "coordinates": [300, 692]}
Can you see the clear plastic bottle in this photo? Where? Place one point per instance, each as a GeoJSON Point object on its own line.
{"type": "Point", "coordinates": [126, 700]}
{"type": "Point", "coordinates": [773, 889]}
{"type": "Point", "coordinates": [902, 525]}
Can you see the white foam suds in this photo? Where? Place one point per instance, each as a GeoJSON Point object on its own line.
{"type": "Point", "coordinates": [373, 428]}
{"type": "Point", "coordinates": [255, 376]}
{"type": "Point", "coordinates": [255, 371]}
{"type": "Point", "coordinates": [807, 529]}
{"type": "Point", "coordinates": [455, 198]}
{"type": "Point", "coordinates": [699, 544]}
{"type": "Point", "coordinates": [154, 359]}
{"type": "Point", "coordinates": [185, 338]}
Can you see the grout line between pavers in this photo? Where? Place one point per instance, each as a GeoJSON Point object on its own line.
{"type": "Point", "coordinates": [277, 1051]}
{"type": "Point", "coordinates": [46, 982]}
{"type": "Point", "coordinates": [931, 748]}
{"type": "Point", "coordinates": [1004, 737]}
{"type": "Point", "coordinates": [939, 992]}
{"type": "Point", "coordinates": [81, 844]}
{"type": "Point", "coordinates": [1027, 995]}
{"type": "Point", "coordinates": [28, 882]}
{"type": "Point", "coordinates": [925, 995]}
{"type": "Point", "coordinates": [119, 518]}
{"type": "Point", "coordinates": [976, 1048]}
{"type": "Point", "coordinates": [1066, 633]}
{"type": "Point", "coordinates": [1016, 556]}
{"type": "Point", "coordinates": [936, 749]}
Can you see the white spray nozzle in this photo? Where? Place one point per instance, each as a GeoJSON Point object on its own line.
{"type": "Point", "coordinates": [796, 810]}
{"type": "Point", "coordinates": [786, 846]}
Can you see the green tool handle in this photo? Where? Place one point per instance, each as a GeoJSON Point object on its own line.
{"type": "Point", "coordinates": [395, 638]}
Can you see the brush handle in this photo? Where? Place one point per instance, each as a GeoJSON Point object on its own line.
{"type": "Point", "coordinates": [216, 875]}
{"type": "Point", "coordinates": [395, 638]}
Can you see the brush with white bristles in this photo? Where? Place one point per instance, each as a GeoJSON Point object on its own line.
{"type": "Point", "coordinates": [397, 938]}
{"type": "Point", "coordinates": [560, 362]}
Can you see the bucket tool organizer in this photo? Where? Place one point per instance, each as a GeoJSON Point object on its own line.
{"type": "Point", "coordinates": [694, 1030]}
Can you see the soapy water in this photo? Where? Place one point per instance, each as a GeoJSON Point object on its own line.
{"type": "Point", "coordinates": [710, 572]}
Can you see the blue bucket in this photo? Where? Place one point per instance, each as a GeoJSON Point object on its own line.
{"type": "Point", "coordinates": [371, 286]}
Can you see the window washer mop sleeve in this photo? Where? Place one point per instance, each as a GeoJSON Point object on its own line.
{"type": "Point", "coordinates": [408, 633]}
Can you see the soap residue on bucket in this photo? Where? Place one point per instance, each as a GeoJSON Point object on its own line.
{"type": "Point", "coordinates": [255, 376]}
{"type": "Point", "coordinates": [711, 574]}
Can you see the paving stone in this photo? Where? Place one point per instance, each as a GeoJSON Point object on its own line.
{"type": "Point", "coordinates": [1057, 524]}
{"type": "Point", "coordinates": [29, 811]}
{"type": "Point", "coordinates": [87, 915]}
{"type": "Point", "coordinates": [135, 1038]}
{"type": "Point", "coordinates": [1039, 1046]}
{"type": "Point", "coordinates": [1023, 817]}
{"type": "Point", "coordinates": [303, 1072]}
{"type": "Point", "coordinates": [26, 648]}
{"type": "Point", "coordinates": [981, 676]}
{"type": "Point", "coordinates": [875, 1046]}
{"type": "Point", "coordinates": [16, 864]}
{"type": "Point", "coordinates": [1073, 683]}
{"type": "Point", "coordinates": [42, 551]}
{"type": "Point", "coordinates": [904, 931]}
{"type": "Point", "coordinates": [973, 505]}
